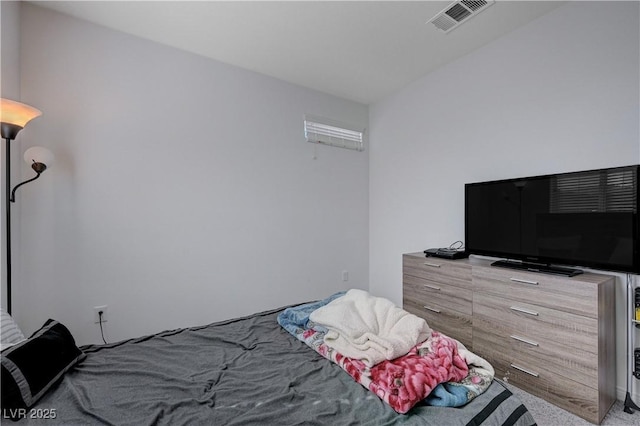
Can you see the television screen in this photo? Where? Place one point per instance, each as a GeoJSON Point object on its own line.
{"type": "Point", "coordinates": [583, 219]}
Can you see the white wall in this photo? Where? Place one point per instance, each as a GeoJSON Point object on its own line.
{"type": "Point", "coordinates": [560, 94]}
{"type": "Point", "coordinates": [10, 44]}
{"type": "Point", "coordinates": [183, 191]}
{"type": "Point", "coordinates": [9, 88]}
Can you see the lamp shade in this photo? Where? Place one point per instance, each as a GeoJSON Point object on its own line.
{"type": "Point", "coordinates": [16, 113]}
{"type": "Point", "coordinates": [39, 154]}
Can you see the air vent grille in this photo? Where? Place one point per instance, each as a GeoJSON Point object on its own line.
{"type": "Point", "coordinates": [444, 23]}
{"type": "Point", "coordinates": [458, 12]}
{"type": "Point", "coordinates": [474, 5]}
{"type": "Point", "coordinates": [330, 132]}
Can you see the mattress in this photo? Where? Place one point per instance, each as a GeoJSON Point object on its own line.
{"type": "Point", "coordinates": [238, 372]}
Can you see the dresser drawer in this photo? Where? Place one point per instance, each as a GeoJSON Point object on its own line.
{"type": "Point", "coordinates": [563, 361]}
{"type": "Point", "coordinates": [505, 317]}
{"type": "Point", "coordinates": [572, 396]}
{"type": "Point", "coordinates": [425, 292]}
{"type": "Point", "coordinates": [452, 272]}
{"type": "Point", "coordinates": [577, 294]}
{"type": "Point", "coordinates": [443, 319]}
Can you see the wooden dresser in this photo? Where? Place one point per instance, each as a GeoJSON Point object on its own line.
{"type": "Point", "coordinates": [441, 293]}
{"type": "Point", "coordinates": [549, 335]}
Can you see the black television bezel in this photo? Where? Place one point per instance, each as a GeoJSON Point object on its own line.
{"type": "Point", "coordinates": [551, 261]}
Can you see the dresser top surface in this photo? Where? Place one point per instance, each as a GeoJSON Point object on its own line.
{"type": "Point", "coordinates": [477, 261]}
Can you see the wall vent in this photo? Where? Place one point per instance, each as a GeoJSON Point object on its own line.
{"type": "Point", "coordinates": [333, 133]}
{"type": "Point", "coordinates": [458, 12]}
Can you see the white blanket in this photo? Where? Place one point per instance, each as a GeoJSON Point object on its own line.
{"type": "Point", "coordinates": [369, 328]}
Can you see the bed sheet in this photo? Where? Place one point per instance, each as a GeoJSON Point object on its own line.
{"type": "Point", "coordinates": [239, 372]}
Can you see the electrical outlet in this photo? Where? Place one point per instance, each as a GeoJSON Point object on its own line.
{"type": "Point", "coordinates": [96, 313]}
{"type": "Point", "coordinates": [345, 276]}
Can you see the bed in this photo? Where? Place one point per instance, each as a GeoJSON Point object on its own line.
{"type": "Point", "coordinates": [242, 371]}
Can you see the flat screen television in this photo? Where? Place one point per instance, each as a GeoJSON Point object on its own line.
{"type": "Point", "coordinates": [557, 223]}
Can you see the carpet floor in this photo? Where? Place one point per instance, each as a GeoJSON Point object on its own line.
{"type": "Point", "coordinates": [547, 414]}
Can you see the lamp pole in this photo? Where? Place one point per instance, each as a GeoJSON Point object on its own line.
{"type": "Point", "coordinates": [7, 213]}
{"type": "Point", "coordinates": [9, 133]}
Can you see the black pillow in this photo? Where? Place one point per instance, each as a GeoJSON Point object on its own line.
{"type": "Point", "coordinates": [32, 366]}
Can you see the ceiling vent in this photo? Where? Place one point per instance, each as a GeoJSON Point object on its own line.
{"type": "Point", "coordinates": [458, 12]}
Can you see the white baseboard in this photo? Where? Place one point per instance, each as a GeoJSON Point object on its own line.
{"type": "Point", "coordinates": [622, 394]}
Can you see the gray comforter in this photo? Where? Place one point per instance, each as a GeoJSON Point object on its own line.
{"type": "Point", "coordinates": [239, 372]}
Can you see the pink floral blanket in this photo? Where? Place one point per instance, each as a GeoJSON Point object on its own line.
{"type": "Point", "coordinates": [440, 370]}
{"type": "Point", "coordinates": [404, 381]}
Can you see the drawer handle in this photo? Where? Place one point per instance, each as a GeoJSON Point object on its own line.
{"type": "Point", "coordinates": [432, 287]}
{"type": "Point", "coordinates": [433, 265]}
{"type": "Point", "coordinates": [521, 281]}
{"type": "Point", "coordinates": [524, 370]}
{"type": "Point", "coordinates": [524, 311]}
{"type": "Point", "coordinates": [523, 340]}
{"type": "Point", "coordinates": [437, 311]}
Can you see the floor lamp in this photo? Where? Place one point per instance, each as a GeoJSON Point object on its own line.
{"type": "Point", "coordinates": [13, 117]}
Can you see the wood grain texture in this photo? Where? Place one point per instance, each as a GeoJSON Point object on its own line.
{"type": "Point", "coordinates": [562, 360]}
{"type": "Point", "coordinates": [572, 396]}
{"type": "Point", "coordinates": [453, 272]}
{"type": "Point", "coordinates": [427, 291]}
{"type": "Point", "coordinates": [571, 320]}
{"type": "Point", "coordinates": [576, 294]}
{"type": "Point", "coordinates": [448, 321]}
{"type": "Point", "coordinates": [607, 346]}
{"type": "Point", "coordinates": [560, 329]}
{"type": "Point", "coordinates": [574, 331]}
